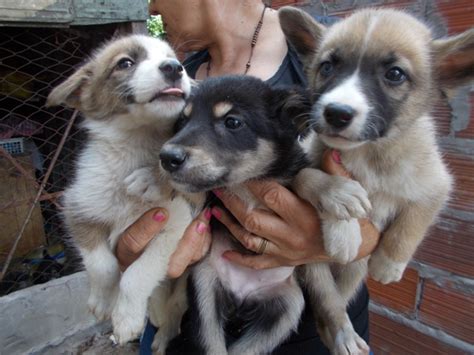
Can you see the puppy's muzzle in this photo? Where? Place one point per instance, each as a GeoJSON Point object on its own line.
{"type": "Point", "coordinates": [338, 115]}
{"type": "Point", "coordinates": [171, 69]}
{"type": "Point", "coordinates": [172, 158]}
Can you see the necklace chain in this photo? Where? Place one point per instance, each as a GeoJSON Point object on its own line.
{"type": "Point", "coordinates": [252, 45]}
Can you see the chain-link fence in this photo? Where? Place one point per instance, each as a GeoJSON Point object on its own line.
{"type": "Point", "coordinates": [37, 150]}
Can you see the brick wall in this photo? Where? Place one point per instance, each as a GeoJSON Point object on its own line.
{"type": "Point", "coordinates": [431, 310]}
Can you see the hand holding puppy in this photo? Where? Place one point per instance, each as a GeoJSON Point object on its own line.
{"type": "Point", "coordinates": [293, 231]}
{"type": "Point", "coordinates": [293, 217]}
{"type": "Point", "coordinates": [191, 248]}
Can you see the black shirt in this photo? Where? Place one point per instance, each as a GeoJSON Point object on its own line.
{"type": "Point", "coordinates": [290, 71]}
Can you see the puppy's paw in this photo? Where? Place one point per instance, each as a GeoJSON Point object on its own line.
{"type": "Point", "coordinates": [101, 302]}
{"type": "Point", "coordinates": [142, 183]}
{"type": "Point", "coordinates": [99, 308]}
{"type": "Point", "coordinates": [348, 342]}
{"type": "Point", "coordinates": [160, 342]}
{"type": "Point", "coordinates": [344, 199]}
{"type": "Point", "coordinates": [128, 320]}
{"type": "Point", "coordinates": [385, 270]}
{"type": "Point", "coordinates": [342, 239]}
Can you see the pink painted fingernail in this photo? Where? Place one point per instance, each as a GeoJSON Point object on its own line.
{"type": "Point", "coordinates": [201, 228]}
{"type": "Point", "coordinates": [207, 214]}
{"type": "Point", "coordinates": [336, 156]}
{"type": "Point", "coordinates": [159, 216]}
{"type": "Point", "coordinates": [216, 213]}
{"type": "Point", "coordinates": [217, 192]}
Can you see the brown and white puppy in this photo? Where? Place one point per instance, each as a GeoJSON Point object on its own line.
{"type": "Point", "coordinates": [374, 77]}
{"type": "Point", "coordinates": [130, 93]}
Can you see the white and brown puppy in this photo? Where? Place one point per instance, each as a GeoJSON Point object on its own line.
{"type": "Point", "coordinates": [374, 77]}
{"type": "Point", "coordinates": [130, 93]}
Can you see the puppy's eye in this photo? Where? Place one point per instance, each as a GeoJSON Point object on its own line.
{"type": "Point", "coordinates": [232, 122]}
{"type": "Point", "coordinates": [395, 76]}
{"type": "Point", "coordinates": [326, 68]}
{"type": "Point", "coordinates": [125, 63]}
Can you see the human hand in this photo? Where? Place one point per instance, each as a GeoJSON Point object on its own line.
{"type": "Point", "coordinates": [292, 225]}
{"type": "Point", "coordinates": [192, 247]}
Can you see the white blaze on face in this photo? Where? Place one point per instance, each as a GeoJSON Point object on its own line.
{"type": "Point", "coordinates": [349, 93]}
{"type": "Point", "coordinates": [148, 80]}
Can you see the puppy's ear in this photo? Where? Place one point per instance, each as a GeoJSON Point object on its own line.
{"type": "Point", "coordinates": [69, 92]}
{"type": "Point", "coordinates": [302, 31]}
{"type": "Point", "coordinates": [454, 60]}
{"type": "Point", "coordinates": [292, 108]}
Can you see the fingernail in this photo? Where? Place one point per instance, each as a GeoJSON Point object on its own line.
{"type": "Point", "coordinates": [159, 216]}
{"type": "Point", "coordinates": [336, 156]}
{"type": "Point", "coordinates": [216, 213]}
{"type": "Point", "coordinates": [201, 228]}
{"type": "Point", "coordinates": [217, 192]}
{"type": "Point", "coordinates": [207, 214]}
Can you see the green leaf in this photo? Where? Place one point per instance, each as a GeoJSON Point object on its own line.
{"type": "Point", "coordinates": [155, 26]}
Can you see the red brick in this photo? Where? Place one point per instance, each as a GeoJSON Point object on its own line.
{"type": "Point", "coordinates": [279, 3]}
{"type": "Point", "coordinates": [468, 132]}
{"type": "Point", "coordinates": [449, 246]}
{"type": "Point", "coordinates": [463, 169]}
{"type": "Point", "coordinates": [442, 116]}
{"type": "Point", "coordinates": [400, 296]}
{"type": "Point", "coordinates": [390, 337]}
{"type": "Point", "coordinates": [457, 14]}
{"type": "Point", "coordinates": [448, 309]}
{"type": "Point", "coordinates": [343, 9]}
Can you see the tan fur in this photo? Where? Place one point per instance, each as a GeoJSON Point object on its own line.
{"type": "Point", "coordinates": [188, 109]}
{"type": "Point", "coordinates": [221, 108]}
{"type": "Point", "coordinates": [86, 234]}
{"type": "Point", "coordinates": [402, 172]}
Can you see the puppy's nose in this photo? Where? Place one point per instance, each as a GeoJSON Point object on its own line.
{"type": "Point", "coordinates": [339, 115]}
{"type": "Point", "coordinates": [172, 158]}
{"type": "Point", "coordinates": [171, 69]}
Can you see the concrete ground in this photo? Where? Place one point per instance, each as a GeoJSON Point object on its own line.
{"type": "Point", "coordinates": [101, 344]}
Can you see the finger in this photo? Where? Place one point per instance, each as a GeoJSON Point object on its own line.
{"type": "Point", "coordinates": [191, 244]}
{"type": "Point", "coordinates": [332, 164]}
{"type": "Point", "coordinates": [247, 239]}
{"type": "Point", "coordinates": [290, 207]}
{"type": "Point", "coordinates": [138, 235]}
{"type": "Point", "coordinates": [257, 221]}
{"type": "Point", "coordinates": [256, 262]}
{"type": "Point", "coordinates": [273, 195]}
{"type": "Point", "coordinates": [206, 245]}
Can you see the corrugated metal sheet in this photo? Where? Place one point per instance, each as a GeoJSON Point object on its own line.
{"type": "Point", "coordinates": [70, 12]}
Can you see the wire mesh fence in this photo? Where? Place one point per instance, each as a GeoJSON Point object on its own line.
{"type": "Point", "coordinates": [37, 150]}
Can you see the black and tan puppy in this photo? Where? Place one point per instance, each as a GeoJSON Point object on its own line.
{"type": "Point", "coordinates": [374, 78]}
{"type": "Point", "coordinates": [234, 129]}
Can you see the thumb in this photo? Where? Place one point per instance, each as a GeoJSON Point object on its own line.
{"type": "Point", "coordinates": [332, 163]}
{"type": "Point", "coordinates": [136, 237]}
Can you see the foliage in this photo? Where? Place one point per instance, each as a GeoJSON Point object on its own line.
{"type": "Point", "coordinates": [155, 26]}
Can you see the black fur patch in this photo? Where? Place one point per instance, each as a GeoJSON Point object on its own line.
{"type": "Point", "coordinates": [274, 115]}
{"type": "Point", "coordinates": [371, 70]}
